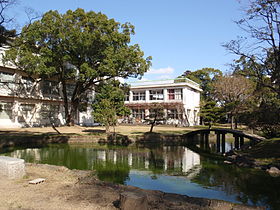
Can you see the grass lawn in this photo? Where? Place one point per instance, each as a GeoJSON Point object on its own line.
{"type": "Point", "coordinates": [130, 130]}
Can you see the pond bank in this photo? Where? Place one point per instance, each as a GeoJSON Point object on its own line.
{"type": "Point", "coordinates": [18, 139]}
{"type": "Point", "coordinates": [264, 155]}
{"type": "Point", "coordinates": [73, 189]}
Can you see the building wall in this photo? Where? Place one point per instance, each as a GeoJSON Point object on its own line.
{"type": "Point", "coordinates": [180, 102]}
{"type": "Point", "coordinates": [28, 102]}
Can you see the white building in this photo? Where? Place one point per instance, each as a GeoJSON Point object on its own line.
{"type": "Point", "coordinates": [179, 99]}
{"type": "Point", "coordinates": [29, 101]}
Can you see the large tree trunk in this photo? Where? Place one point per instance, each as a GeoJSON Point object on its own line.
{"type": "Point", "coordinates": [66, 105]}
{"type": "Point", "coordinates": [74, 109]}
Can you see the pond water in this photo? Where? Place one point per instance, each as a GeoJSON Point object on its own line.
{"type": "Point", "coordinates": [174, 169]}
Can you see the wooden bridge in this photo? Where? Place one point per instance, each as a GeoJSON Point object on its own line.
{"type": "Point", "coordinates": [221, 137]}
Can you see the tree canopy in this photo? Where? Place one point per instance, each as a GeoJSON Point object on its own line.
{"type": "Point", "coordinates": [259, 60]}
{"type": "Point", "coordinates": [259, 49]}
{"type": "Point", "coordinates": [78, 48]}
{"type": "Point", "coordinates": [6, 34]}
{"type": "Point", "coordinates": [204, 77]}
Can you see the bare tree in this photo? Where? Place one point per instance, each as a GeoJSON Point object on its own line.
{"type": "Point", "coordinates": [259, 50]}
{"type": "Point", "coordinates": [234, 93]}
{"type": "Point", "coordinates": [6, 34]}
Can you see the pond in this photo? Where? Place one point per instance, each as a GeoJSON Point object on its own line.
{"type": "Point", "coordinates": [173, 169]}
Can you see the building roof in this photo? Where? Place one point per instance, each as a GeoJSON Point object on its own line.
{"type": "Point", "coordinates": [165, 83]}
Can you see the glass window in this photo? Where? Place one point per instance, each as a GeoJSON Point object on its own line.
{"type": "Point", "coordinates": [70, 89]}
{"type": "Point", "coordinates": [174, 94]}
{"type": "Point", "coordinates": [138, 113]}
{"type": "Point", "coordinates": [6, 77]}
{"type": "Point", "coordinates": [26, 110]}
{"type": "Point", "coordinates": [27, 83]}
{"type": "Point", "coordinates": [158, 111]}
{"type": "Point", "coordinates": [7, 81]}
{"type": "Point", "coordinates": [156, 95]}
{"type": "Point", "coordinates": [49, 110]}
{"type": "Point", "coordinates": [171, 94]}
{"type": "Point", "coordinates": [139, 96]}
{"type": "Point", "coordinates": [50, 88]}
{"type": "Point", "coordinates": [126, 97]}
{"type": "Point", "coordinates": [6, 110]}
{"type": "Point", "coordinates": [174, 114]}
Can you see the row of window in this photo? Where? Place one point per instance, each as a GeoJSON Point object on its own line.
{"type": "Point", "coordinates": [156, 95]}
{"type": "Point", "coordinates": [46, 111]}
{"type": "Point", "coordinates": [7, 82]}
{"type": "Point", "coordinates": [171, 114]}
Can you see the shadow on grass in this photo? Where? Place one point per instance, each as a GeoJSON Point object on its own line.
{"type": "Point", "coordinates": [24, 133]}
{"type": "Point", "coordinates": [94, 131]}
{"type": "Point", "coordinates": [138, 132]}
{"type": "Point", "coordinates": [265, 149]}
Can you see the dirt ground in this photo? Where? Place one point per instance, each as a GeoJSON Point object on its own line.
{"type": "Point", "coordinates": [55, 193]}
{"type": "Point", "coordinates": [72, 189]}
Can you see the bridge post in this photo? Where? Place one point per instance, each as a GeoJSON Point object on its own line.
{"type": "Point", "coordinates": [241, 141]}
{"type": "Point", "coordinates": [218, 141]}
{"type": "Point", "coordinates": [201, 140]}
{"type": "Point", "coordinates": [206, 136]}
{"type": "Point", "coordinates": [223, 143]}
{"type": "Point", "coordinates": [236, 141]}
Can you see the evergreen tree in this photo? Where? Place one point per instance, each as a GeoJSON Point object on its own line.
{"type": "Point", "coordinates": [109, 103]}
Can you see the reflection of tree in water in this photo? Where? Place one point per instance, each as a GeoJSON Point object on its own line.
{"type": "Point", "coordinates": [251, 186]}
{"type": "Point", "coordinates": [112, 172]}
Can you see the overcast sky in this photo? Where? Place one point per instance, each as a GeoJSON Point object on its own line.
{"type": "Point", "coordinates": [180, 34]}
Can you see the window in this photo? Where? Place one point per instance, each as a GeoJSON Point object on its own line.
{"type": "Point", "coordinates": [27, 108]}
{"type": "Point", "coordinates": [70, 90]}
{"type": "Point", "coordinates": [156, 95]}
{"type": "Point", "coordinates": [159, 112]}
{"type": "Point", "coordinates": [139, 96]}
{"type": "Point", "coordinates": [27, 83]}
{"type": "Point", "coordinates": [7, 81]}
{"type": "Point", "coordinates": [49, 110]}
{"type": "Point", "coordinates": [26, 111]}
{"type": "Point", "coordinates": [175, 94]}
{"type": "Point", "coordinates": [138, 113]}
{"type": "Point", "coordinates": [50, 88]}
{"type": "Point", "coordinates": [126, 97]}
{"type": "Point", "coordinates": [6, 77]}
{"type": "Point", "coordinates": [173, 114]}
{"type": "Point", "coordinates": [6, 110]}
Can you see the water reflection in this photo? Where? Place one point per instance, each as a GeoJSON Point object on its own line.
{"type": "Point", "coordinates": [212, 144]}
{"type": "Point", "coordinates": [164, 159]}
{"type": "Point", "coordinates": [167, 168]}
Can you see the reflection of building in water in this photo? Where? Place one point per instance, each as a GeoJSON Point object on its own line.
{"type": "Point", "coordinates": [182, 159]}
{"type": "Point", "coordinates": [179, 159]}
{"type": "Point", "coordinates": [190, 159]}
{"type": "Point", "coordinates": [101, 155]}
{"type": "Point", "coordinates": [35, 153]}
{"type": "Point", "coordinates": [115, 157]}
{"type": "Point", "coordinates": [130, 159]}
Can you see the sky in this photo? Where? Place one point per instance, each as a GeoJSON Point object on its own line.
{"type": "Point", "coordinates": [180, 35]}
